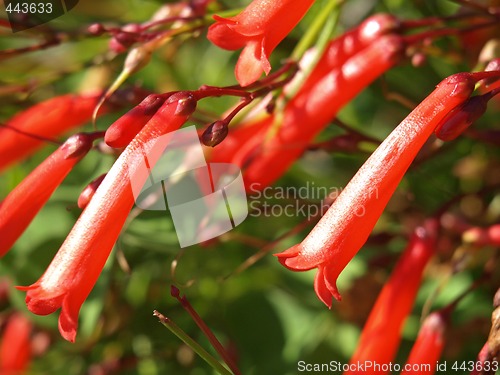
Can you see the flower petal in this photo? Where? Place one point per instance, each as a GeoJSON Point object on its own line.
{"type": "Point", "coordinates": [321, 288]}
{"type": "Point", "coordinates": [249, 66]}
{"type": "Point", "coordinates": [68, 319]}
{"type": "Point", "coordinates": [294, 260]}
{"type": "Point", "coordinates": [223, 35]}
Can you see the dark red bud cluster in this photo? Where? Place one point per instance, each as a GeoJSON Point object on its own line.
{"type": "Point", "coordinates": [125, 37]}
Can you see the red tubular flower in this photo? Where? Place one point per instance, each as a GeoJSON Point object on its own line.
{"type": "Point", "coordinates": [380, 337]}
{"type": "Point", "coordinates": [259, 29]}
{"type": "Point", "coordinates": [74, 270]}
{"type": "Point", "coordinates": [15, 346]}
{"type": "Point", "coordinates": [317, 106]}
{"type": "Point", "coordinates": [23, 203]}
{"type": "Point", "coordinates": [428, 348]}
{"type": "Point", "coordinates": [47, 119]}
{"type": "Point", "coordinates": [345, 227]}
{"type": "Point", "coordinates": [326, 90]}
{"type": "Point", "coordinates": [352, 42]}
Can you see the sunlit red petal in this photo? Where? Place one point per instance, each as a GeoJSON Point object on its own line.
{"type": "Point", "coordinates": [77, 265]}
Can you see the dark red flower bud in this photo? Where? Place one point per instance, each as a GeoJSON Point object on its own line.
{"type": "Point", "coordinates": [123, 130]}
{"type": "Point", "coordinates": [115, 46]}
{"type": "Point", "coordinates": [174, 291]}
{"type": "Point", "coordinates": [459, 119]}
{"type": "Point", "coordinates": [215, 133]}
{"type": "Point", "coordinates": [186, 105]}
{"type": "Point", "coordinates": [96, 29]}
{"type": "Point", "coordinates": [77, 145]}
{"type": "Point", "coordinates": [89, 191]}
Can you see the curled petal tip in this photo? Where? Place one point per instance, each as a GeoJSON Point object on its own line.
{"type": "Point", "coordinates": [291, 252]}
{"type": "Point", "coordinates": [325, 288]}
{"type": "Point", "coordinates": [67, 330]}
{"type": "Point", "coordinates": [249, 67]}
{"type": "Point", "coordinates": [224, 20]}
{"type": "Point", "coordinates": [293, 260]}
{"type": "Point", "coordinates": [40, 304]}
{"type": "Point", "coordinates": [23, 288]}
{"type": "Point", "coordinates": [68, 319]}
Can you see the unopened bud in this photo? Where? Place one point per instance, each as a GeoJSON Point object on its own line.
{"type": "Point", "coordinates": [123, 130]}
{"type": "Point", "coordinates": [77, 145]}
{"type": "Point", "coordinates": [89, 191]}
{"type": "Point", "coordinates": [418, 60]}
{"type": "Point", "coordinates": [126, 39]}
{"type": "Point", "coordinates": [96, 29]}
{"type": "Point", "coordinates": [186, 103]}
{"type": "Point", "coordinates": [174, 291]}
{"type": "Point", "coordinates": [115, 46]}
{"type": "Point", "coordinates": [377, 25]}
{"type": "Point", "coordinates": [151, 104]}
{"type": "Point", "coordinates": [186, 106]}
{"type": "Point", "coordinates": [460, 118]}
{"type": "Point", "coordinates": [215, 133]}
{"type": "Point", "coordinates": [463, 84]}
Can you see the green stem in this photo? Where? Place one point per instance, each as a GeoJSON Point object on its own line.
{"type": "Point", "coordinates": [189, 341]}
{"type": "Point", "coordinates": [325, 24]}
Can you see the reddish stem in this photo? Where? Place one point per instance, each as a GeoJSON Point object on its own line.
{"type": "Point", "coordinates": [412, 39]}
{"type": "Point", "coordinates": [34, 136]}
{"type": "Point", "coordinates": [174, 291]}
